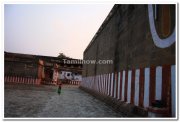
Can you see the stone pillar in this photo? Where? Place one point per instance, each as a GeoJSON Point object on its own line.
{"type": "Point", "coordinates": [55, 74]}
{"type": "Point", "coordinates": [40, 71]}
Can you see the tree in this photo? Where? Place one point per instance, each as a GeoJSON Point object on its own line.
{"type": "Point", "coordinates": [62, 55]}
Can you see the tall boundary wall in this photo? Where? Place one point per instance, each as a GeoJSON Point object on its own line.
{"type": "Point", "coordinates": [140, 40]}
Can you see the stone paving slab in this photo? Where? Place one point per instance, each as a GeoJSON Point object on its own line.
{"type": "Point", "coordinates": [75, 103]}
{"type": "Point", "coordinates": [72, 102]}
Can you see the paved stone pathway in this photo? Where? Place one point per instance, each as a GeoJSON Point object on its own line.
{"type": "Point", "coordinates": [74, 102]}
{"type": "Point", "coordinates": [43, 101]}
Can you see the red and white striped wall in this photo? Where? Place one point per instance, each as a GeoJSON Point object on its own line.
{"type": "Point", "coordinates": [74, 82]}
{"type": "Point", "coordinates": [22, 80]}
{"type": "Point", "coordinates": [137, 86]}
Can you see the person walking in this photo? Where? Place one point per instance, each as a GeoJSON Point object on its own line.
{"type": "Point", "coordinates": [59, 88]}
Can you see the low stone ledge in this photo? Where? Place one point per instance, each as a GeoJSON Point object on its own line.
{"type": "Point", "coordinates": [128, 110]}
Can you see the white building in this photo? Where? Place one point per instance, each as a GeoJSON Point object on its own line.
{"type": "Point", "coordinates": [69, 75]}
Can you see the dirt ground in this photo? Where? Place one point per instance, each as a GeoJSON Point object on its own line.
{"type": "Point", "coordinates": [43, 101]}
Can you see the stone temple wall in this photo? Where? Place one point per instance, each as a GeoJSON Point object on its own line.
{"type": "Point", "coordinates": [140, 40]}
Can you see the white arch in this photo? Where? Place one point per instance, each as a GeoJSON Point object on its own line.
{"type": "Point", "coordinates": [161, 43]}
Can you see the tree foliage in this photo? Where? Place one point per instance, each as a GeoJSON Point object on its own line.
{"type": "Point", "coordinates": [62, 55]}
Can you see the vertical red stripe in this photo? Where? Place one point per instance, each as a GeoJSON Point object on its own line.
{"type": "Point", "coordinates": [101, 82]}
{"type": "Point", "coordinates": [152, 85]}
{"type": "Point", "coordinates": [37, 80]}
{"type": "Point", "coordinates": [95, 86]}
{"type": "Point", "coordinates": [26, 80]}
{"type": "Point", "coordinates": [132, 86]}
{"type": "Point", "coordinates": [9, 80]}
{"type": "Point", "coordinates": [99, 79]}
{"type": "Point", "coordinates": [116, 77]}
{"type": "Point", "coordinates": [110, 84]}
{"type": "Point", "coordinates": [141, 87]}
{"type": "Point", "coordinates": [94, 82]}
{"type": "Point", "coordinates": [120, 92]}
{"type": "Point", "coordinates": [166, 86]}
{"type": "Point", "coordinates": [15, 78]}
{"type": "Point", "coordinates": [126, 85]}
{"type": "Point", "coordinates": [165, 79]}
{"type": "Point", "coordinates": [107, 84]}
{"type": "Point", "coordinates": [113, 85]}
{"type": "Point", "coordinates": [23, 80]}
{"type": "Point", "coordinates": [98, 83]}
